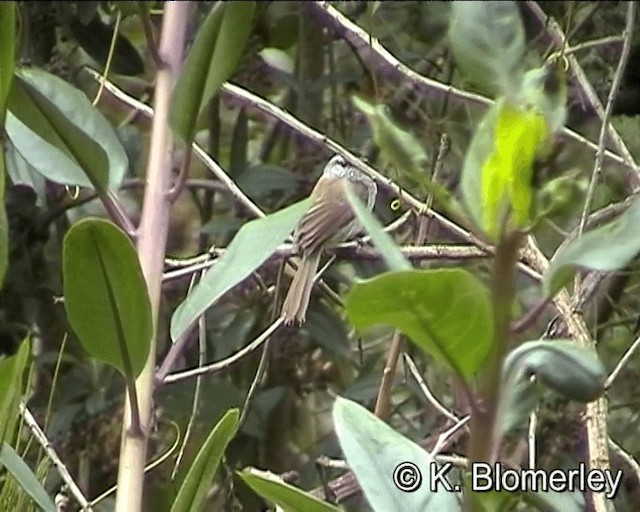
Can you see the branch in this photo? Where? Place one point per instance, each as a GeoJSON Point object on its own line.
{"type": "Point", "coordinates": [41, 437]}
{"type": "Point", "coordinates": [615, 86]}
{"type": "Point", "coordinates": [373, 53]}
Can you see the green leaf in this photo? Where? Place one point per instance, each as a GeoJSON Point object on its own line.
{"type": "Point", "coordinates": [544, 90]}
{"type": "Point", "coordinates": [488, 42]}
{"type": "Point", "coordinates": [287, 497]}
{"type": "Point", "coordinates": [394, 259]}
{"type": "Point", "coordinates": [65, 138]}
{"type": "Point", "coordinates": [561, 365]}
{"type": "Point", "coordinates": [570, 501]}
{"type": "Point", "coordinates": [105, 295]}
{"type": "Point", "coordinates": [507, 172]}
{"type": "Point", "coordinates": [398, 147]}
{"type": "Point", "coordinates": [607, 248]}
{"type": "Point", "coordinates": [212, 59]}
{"type": "Point", "coordinates": [445, 312]}
{"type": "Point", "coordinates": [25, 477]}
{"type": "Point", "coordinates": [7, 51]}
{"type": "Point", "coordinates": [249, 249]}
{"type": "Point", "coordinates": [374, 452]}
{"type": "Point", "coordinates": [194, 488]}
{"type": "Point", "coordinates": [12, 371]}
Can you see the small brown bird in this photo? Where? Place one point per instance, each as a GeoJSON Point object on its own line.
{"type": "Point", "coordinates": [329, 221]}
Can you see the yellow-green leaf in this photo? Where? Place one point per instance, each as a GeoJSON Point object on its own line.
{"type": "Point", "coordinates": [507, 172]}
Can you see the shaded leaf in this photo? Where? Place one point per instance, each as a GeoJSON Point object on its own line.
{"type": "Point", "coordinates": [249, 249]}
{"type": "Point", "coordinates": [212, 59]}
{"type": "Point", "coordinates": [606, 248]}
{"type": "Point", "coordinates": [398, 147]}
{"type": "Point", "coordinates": [287, 497]}
{"type": "Point", "coordinates": [105, 295]}
{"type": "Point", "coordinates": [573, 371]}
{"type": "Point", "coordinates": [193, 490]}
{"type": "Point", "coordinates": [25, 477]}
{"type": "Point", "coordinates": [488, 42]}
{"type": "Point", "coordinates": [445, 312]}
{"type": "Point", "coordinates": [374, 451]}
{"type": "Point", "coordinates": [56, 129]}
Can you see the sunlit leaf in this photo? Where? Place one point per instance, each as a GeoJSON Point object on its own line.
{"type": "Point", "coordinates": [607, 248]}
{"type": "Point", "coordinates": [105, 295]}
{"type": "Point", "coordinates": [287, 497]}
{"type": "Point", "coordinates": [445, 312]}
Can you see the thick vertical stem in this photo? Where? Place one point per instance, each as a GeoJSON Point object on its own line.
{"type": "Point", "coordinates": [482, 443]}
{"type": "Point", "coordinates": [152, 239]}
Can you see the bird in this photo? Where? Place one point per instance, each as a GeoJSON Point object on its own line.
{"type": "Point", "coordinates": [329, 221]}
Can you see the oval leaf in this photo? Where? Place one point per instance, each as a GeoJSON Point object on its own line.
{"type": "Point", "coordinates": [561, 365]}
{"type": "Point", "coordinates": [193, 490]}
{"type": "Point", "coordinates": [488, 42]}
{"type": "Point", "coordinates": [607, 248]}
{"type": "Point", "coordinates": [105, 295]}
{"type": "Point", "coordinates": [374, 452]}
{"type": "Point", "coordinates": [285, 496]}
{"type": "Point", "coordinates": [65, 138]}
{"type": "Point", "coordinates": [212, 59]}
{"type": "Point", "coordinates": [249, 249]}
{"type": "Point", "coordinates": [445, 312]}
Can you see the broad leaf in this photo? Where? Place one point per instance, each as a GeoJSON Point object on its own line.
{"type": "Point", "coordinates": [488, 43]}
{"type": "Point", "coordinates": [193, 490]}
{"type": "Point", "coordinates": [574, 372]}
{"type": "Point", "coordinates": [249, 249]}
{"type": "Point", "coordinates": [12, 370]}
{"type": "Point", "coordinates": [384, 461]}
{"type": "Point", "coordinates": [65, 138]}
{"type": "Point", "coordinates": [394, 259]}
{"type": "Point", "coordinates": [212, 59]}
{"type": "Point", "coordinates": [445, 312]}
{"type": "Point", "coordinates": [25, 477]}
{"type": "Point", "coordinates": [105, 295]}
{"type": "Point", "coordinates": [607, 248]}
{"type": "Point", "coordinates": [287, 497]}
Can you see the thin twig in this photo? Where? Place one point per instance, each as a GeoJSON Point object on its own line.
{"type": "Point", "coordinates": [556, 33]}
{"type": "Point", "coordinates": [372, 52]}
{"type": "Point", "coordinates": [226, 362]}
{"type": "Point", "coordinates": [202, 356]}
{"type": "Point", "coordinates": [413, 369]}
{"type": "Point", "coordinates": [533, 425]}
{"type": "Point", "coordinates": [621, 364]}
{"type": "Point", "coordinates": [627, 457]}
{"type": "Point", "coordinates": [147, 28]}
{"type": "Point", "coordinates": [383, 401]}
{"type": "Point", "coordinates": [51, 453]}
{"type": "Point", "coordinates": [211, 164]}
{"type": "Point", "coordinates": [442, 438]}
{"type": "Point", "coordinates": [615, 86]}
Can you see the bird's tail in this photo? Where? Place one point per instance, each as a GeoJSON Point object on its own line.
{"type": "Point", "coordinates": [294, 307]}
